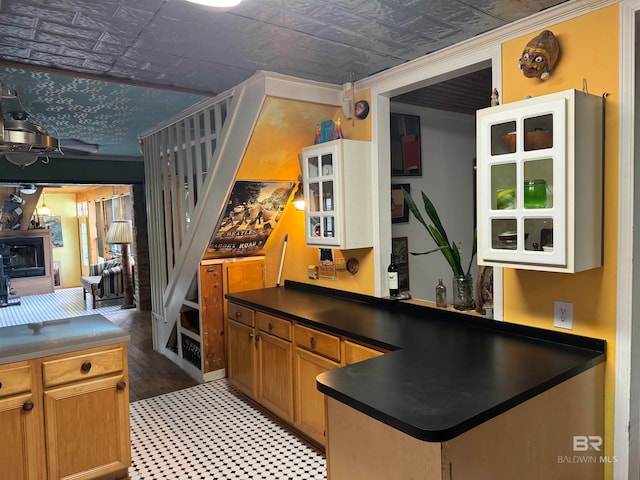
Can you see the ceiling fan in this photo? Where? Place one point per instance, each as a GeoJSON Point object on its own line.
{"type": "Point", "coordinates": [22, 142]}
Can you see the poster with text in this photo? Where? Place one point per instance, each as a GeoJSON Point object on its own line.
{"type": "Point", "coordinates": [253, 210]}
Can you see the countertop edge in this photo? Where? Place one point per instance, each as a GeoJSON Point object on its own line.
{"type": "Point", "coordinates": [66, 348]}
{"type": "Point", "coordinates": [26, 342]}
{"type": "Point", "coordinates": [456, 430]}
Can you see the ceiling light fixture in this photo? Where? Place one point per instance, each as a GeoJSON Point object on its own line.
{"type": "Point", "coordinates": [22, 142]}
{"type": "Point", "coordinates": [217, 3]}
{"type": "Point", "coordinates": [21, 159]}
{"type": "Point", "coordinates": [43, 210]}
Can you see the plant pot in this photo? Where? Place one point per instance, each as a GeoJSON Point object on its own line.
{"type": "Point", "coordinates": [462, 294]}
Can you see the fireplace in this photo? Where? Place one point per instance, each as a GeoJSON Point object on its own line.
{"type": "Point", "coordinates": [25, 257]}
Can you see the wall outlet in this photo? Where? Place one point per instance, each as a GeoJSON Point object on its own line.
{"type": "Point", "coordinates": [563, 315]}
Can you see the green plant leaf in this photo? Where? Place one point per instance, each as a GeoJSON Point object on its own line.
{"type": "Point", "coordinates": [438, 234]}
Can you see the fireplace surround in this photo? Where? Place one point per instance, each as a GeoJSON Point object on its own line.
{"type": "Point", "coordinates": [30, 264]}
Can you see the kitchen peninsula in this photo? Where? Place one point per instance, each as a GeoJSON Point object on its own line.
{"type": "Point", "coordinates": [455, 394]}
{"type": "Point", "coordinates": [64, 400]}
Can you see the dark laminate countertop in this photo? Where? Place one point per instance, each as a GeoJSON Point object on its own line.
{"type": "Point", "coordinates": [42, 339]}
{"type": "Point", "coordinates": [446, 373]}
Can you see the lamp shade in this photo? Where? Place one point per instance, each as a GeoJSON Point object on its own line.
{"type": "Point", "coordinates": [119, 232]}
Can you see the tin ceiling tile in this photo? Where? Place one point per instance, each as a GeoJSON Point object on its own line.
{"type": "Point", "coordinates": [178, 44]}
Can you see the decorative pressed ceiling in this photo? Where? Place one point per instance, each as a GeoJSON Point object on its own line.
{"type": "Point", "coordinates": [198, 51]}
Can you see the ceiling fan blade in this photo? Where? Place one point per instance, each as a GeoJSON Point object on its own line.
{"type": "Point", "coordinates": [73, 146]}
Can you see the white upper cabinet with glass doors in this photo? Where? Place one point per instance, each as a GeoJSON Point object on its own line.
{"type": "Point", "coordinates": [540, 183]}
{"type": "Point", "coordinates": [337, 194]}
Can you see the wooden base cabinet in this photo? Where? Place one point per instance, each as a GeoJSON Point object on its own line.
{"type": "Point", "coordinates": [260, 359]}
{"type": "Point", "coordinates": [310, 415]}
{"type": "Point", "coordinates": [276, 361]}
{"type": "Point", "coordinates": [20, 422]}
{"type": "Point", "coordinates": [241, 361]}
{"type": "Point", "coordinates": [72, 422]}
{"type": "Point", "coordinates": [275, 365]}
{"type": "Point", "coordinates": [531, 441]}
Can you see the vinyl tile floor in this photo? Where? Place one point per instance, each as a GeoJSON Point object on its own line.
{"type": "Point", "coordinates": [62, 303]}
{"type": "Point", "coordinates": [211, 432]}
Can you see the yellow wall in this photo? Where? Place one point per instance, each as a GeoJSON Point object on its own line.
{"type": "Point", "coordinates": [589, 50]}
{"type": "Point", "coordinates": [283, 129]}
{"type": "Point", "coordinates": [64, 206]}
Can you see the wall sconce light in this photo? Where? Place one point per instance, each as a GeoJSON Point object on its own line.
{"type": "Point", "coordinates": [298, 198]}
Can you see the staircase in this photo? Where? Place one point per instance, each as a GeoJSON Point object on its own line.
{"type": "Point", "coordinates": [191, 163]}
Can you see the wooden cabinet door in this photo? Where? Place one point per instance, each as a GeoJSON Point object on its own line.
{"type": "Point", "coordinates": [309, 402]}
{"type": "Point", "coordinates": [275, 375]}
{"type": "Point", "coordinates": [242, 276]}
{"type": "Point", "coordinates": [241, 359]}
{"type": "Point", "coordinates": [20, 457]}
{"type": "Point", "coordinates": [87, 429]}
{"type": "Point", "coordinates": [212, 314]}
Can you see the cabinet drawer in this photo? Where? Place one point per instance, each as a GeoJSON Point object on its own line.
{"type": "Point", "coordinates": [241, 314]}
{"type": "Point", "coordinates": [317, 341]}
{"type": "Point", "coordinates": [274, 325]}
{"type": "Point", "coordinates": [354, 352]}
{"type": "Point", "coordinates": [82, 367]}
{"type": "Point", "coordinates": [14, 379]}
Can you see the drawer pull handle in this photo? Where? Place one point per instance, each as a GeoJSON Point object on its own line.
{"type": "Point", "coordinates": [238, 314]}
{"type": "Point", "coordinates": [27, 406]}
{"type": "Point", "coordinates": [0, 384]}
{"type": "Point", "coordinates": [209, 270]}
{"type": "Point", "coordinates": [270, 326]}
{"type": "Point", "coordinates": [312, 341]}
{"type": "Point", "coordinates": [257, 338]}
{"type": "Point", "coordinates": [121, 386]}
{"type": "Point", "coordinates": [85, 367]}
{"type": "Point", "coordinates": [250, 336]}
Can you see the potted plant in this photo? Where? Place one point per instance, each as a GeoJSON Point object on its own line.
{"type": "Point", "coordinates": [462, 282]}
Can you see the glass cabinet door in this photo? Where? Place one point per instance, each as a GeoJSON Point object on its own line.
{"type": "Point", "coordinates": [320, 197]}
{"type": "Point", "coordinates": [522, 184]}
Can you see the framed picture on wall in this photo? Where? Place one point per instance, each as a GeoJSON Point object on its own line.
{"type": "Point", "coordinates": [400, 251]}
{"type": "Point", "coordinates": [406, 157]}
{"type": "Point", "coordinates": [399, 208]}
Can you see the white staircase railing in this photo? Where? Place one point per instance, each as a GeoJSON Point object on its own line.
{"type": "Point", "coordinates": [190, 166]}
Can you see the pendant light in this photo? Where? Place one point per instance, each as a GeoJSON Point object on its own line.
{"type": "Point", "coordinates": [43, 210]}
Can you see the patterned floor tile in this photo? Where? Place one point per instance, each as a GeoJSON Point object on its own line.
{"type": "Point", "coordinates": [210, 432]}
{"type": "Point", "coordinates": [62, 303]}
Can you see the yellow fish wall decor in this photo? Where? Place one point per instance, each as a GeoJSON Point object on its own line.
{"type": "Point", "coordinates": [540, 56]}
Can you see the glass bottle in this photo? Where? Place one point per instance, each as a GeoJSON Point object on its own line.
{"type": "Point", "coordinates": [441, 294]}
{"type": "Point", "coordinates": [392, 275]}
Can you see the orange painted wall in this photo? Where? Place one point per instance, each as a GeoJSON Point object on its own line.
{"type": "Point", "coordinates": [284, 127]}
{"type": "Point", "coordinates": [589, 50]}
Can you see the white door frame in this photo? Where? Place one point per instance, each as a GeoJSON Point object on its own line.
{"type": "Point", "coordinates": [627, 394]}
